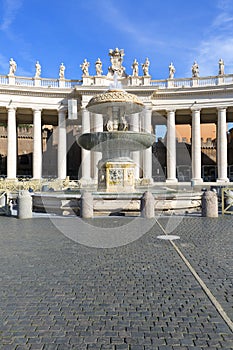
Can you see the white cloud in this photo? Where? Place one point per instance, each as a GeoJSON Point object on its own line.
{"type": "Point", "coordinates": [211, 51]}
{"type": "Point", "coordinates": [114, 16]}
{"type": "Point", "coordinates": [11, 8]}
{"type": "Point", "coordinates": [218, 43]}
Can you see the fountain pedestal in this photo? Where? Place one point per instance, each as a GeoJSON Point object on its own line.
{"type": "Point", "coordinates": [116, 176]}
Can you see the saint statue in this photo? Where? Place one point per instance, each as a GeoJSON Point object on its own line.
{"type": "Point", "coordinates": [195, 70]}
{"type": "Point", "coordinates": [98, 67]}
{"type": "Point", "coordinates": [172, 71]}
{"type": "Point", "coordinates": [221, 67]}
{"type": "Point", "coordinates": [38, 69]}
{"type": "Point", "coordinates": [145, 67]}
{"type": "Point", "coordinates": [135, 68]}
{"type": "Point", "coordinates": [84, 66]}
{"type": "Point", "coordinates": [62, 71]}
{"type": "Point", "coordinates": [13, 67]}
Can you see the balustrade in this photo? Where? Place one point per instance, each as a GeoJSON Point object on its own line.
{"type": "Point", "coordinates": [161, 84]}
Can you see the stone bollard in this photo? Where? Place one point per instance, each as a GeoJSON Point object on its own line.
{"type": "Point", "coordinates": [87, 205]}
{"type": "Point", "coordinates": [148, 205]}
{"type": "Point", "coordinates": [209, 204]}
{"type": "Point", "coordinates": [24, 205]}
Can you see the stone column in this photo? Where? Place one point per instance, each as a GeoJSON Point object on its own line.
{"type": "Point", "coordinates": [37, 144]}
{"type": "Point", "coordinates": [11, 144]}
{"type": "Point", "coordinates": [98, 127]}
{"type": "Point", "coordinates": [171, 147]}
{"type": "Point", "coordinates": [134, 126]}
{"type": "Point", "coordinates": [147, 154]}
{"type": "Point", "coordinates": [86, 155]}
{"type": "Point", "coordinates": [222, 145]}
{"type": "Point", "coordinates": [196, 146]}
{"type": "Point", "coordinates": [61, 143]}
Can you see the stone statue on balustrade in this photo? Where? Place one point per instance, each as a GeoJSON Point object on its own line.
{"type": "Point", "coordinates": [13, 67]}
{"type": "Point", "coordinates": [221, 67]}
{"type": "Point", "coordinates": [172, 71]}
{"type": "Point", "coordinates": [85, 68]}
{"type": "Point", "coordinates": [116, 58]}
{"type": "Point", "coordinates": [62, 71]}
{"type": "Point", "coordinates": [195, 70]}
{"type": "Point", "coordinates": [38, 70]}
{"type": "Point", "coordinates": [145, 67]}
{"type": "Point", "coordinates": [98, 67]}
{"type": "Point", "coordinates": [135, 68]}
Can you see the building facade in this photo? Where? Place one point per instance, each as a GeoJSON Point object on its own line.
{"type": "Point", "coordinates": [42, 118]}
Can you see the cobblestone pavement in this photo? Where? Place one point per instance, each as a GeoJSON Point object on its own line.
{"type": "Point", "coordinates": [58, 294]}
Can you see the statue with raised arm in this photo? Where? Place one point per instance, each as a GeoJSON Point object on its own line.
{"type": "Point", "coordinates": [145, 67]}
{"type": "Point", "coordinates": [195, 70]}
{"type": "Point", "coordinates": [38, 70]}
{"type": "Point", "coordinates": [172, 71]}
{"type": "Point", "coordinates": [135, 68]}
{"type": "Point", "coordinates": [62, 71]}
{"type": "Point", "coordinates": [221, 67]}
{"type": "Point", "coordinates": [13, 67]}
{"type": "Point", "coordinates": [85, 66]}
{"type": "Point", "coordinates": [98, 67]}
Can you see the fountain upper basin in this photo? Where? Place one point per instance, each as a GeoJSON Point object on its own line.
{"type": "Point", "coordinates": [115, 98]}
{"type": "Point", "coordinates": [128, 140]}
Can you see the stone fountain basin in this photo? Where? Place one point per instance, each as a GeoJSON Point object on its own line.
{"type": "Point", "coordinates": [116, 140]}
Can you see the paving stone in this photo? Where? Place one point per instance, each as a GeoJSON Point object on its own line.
{"type": "Point", "coordinates": [59, 294]}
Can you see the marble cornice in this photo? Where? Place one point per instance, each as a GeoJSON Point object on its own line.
{"type": "Point", "coordinates": [176, 93]}
{"type": "Point", "coordinates": [92, 90]}
{"type": "Point", "coordinates": [33, 93]}
{"type": "Point", "coordinates": [149, 93]}
{"type": "Point", "coordinates": [187, 106]}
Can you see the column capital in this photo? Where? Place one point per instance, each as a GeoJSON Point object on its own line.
{"type": "Point", "coordinates": [195, 109]}
{"type": "Point", "coordinates": [148, 106]}
{"type": "Point", "coordinates": [11, 108]}
{"type": "Point", "coordinates": [36, 109]}
{"type": "Point", "coordinates": [170, 110]}
{"type": "Point", "coordinates": [62, 110]}
{"type": "Point", "coordinates": [84, 110]}
{"type": "Point", "coordinates": [221, 108]}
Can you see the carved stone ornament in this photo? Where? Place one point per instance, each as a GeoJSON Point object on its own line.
{"type": "Point", "coordinates": [116, 175]}
{"type": "Point", "coordinates": [116, 57]}
{"type": "Point", "coordinates": [130, 101]}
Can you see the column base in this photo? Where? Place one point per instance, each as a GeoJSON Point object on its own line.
{"type": "Point", "coordinates": [145, 181]}
{"type": "Point", "coordinates": [172, 181]}
{"type": "Point", "coordinates": [86, 182]}
{"type": "Point", "coordinates": [196, 182]}
{"type": "Point", "coordinates": [222, 180]}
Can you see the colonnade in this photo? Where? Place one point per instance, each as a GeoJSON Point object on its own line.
{"type": "Point", "coordinates": [37, 143]}
{"type": "Point", "coordinates": [196, 146]}
{"type": "Point", "coordinates": [142, 159]}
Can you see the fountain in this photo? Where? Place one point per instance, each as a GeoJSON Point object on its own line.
{"type": "Point", "coordinates": [116, 168]}
{"type": "Point", "coordinates": [116, 190]}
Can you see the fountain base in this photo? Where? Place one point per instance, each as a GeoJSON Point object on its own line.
{"type": "Point", "coordinates": [116, 176]}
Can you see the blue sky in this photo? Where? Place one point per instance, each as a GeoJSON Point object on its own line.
{"type": "Point", "coordinates": [56, 31]}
